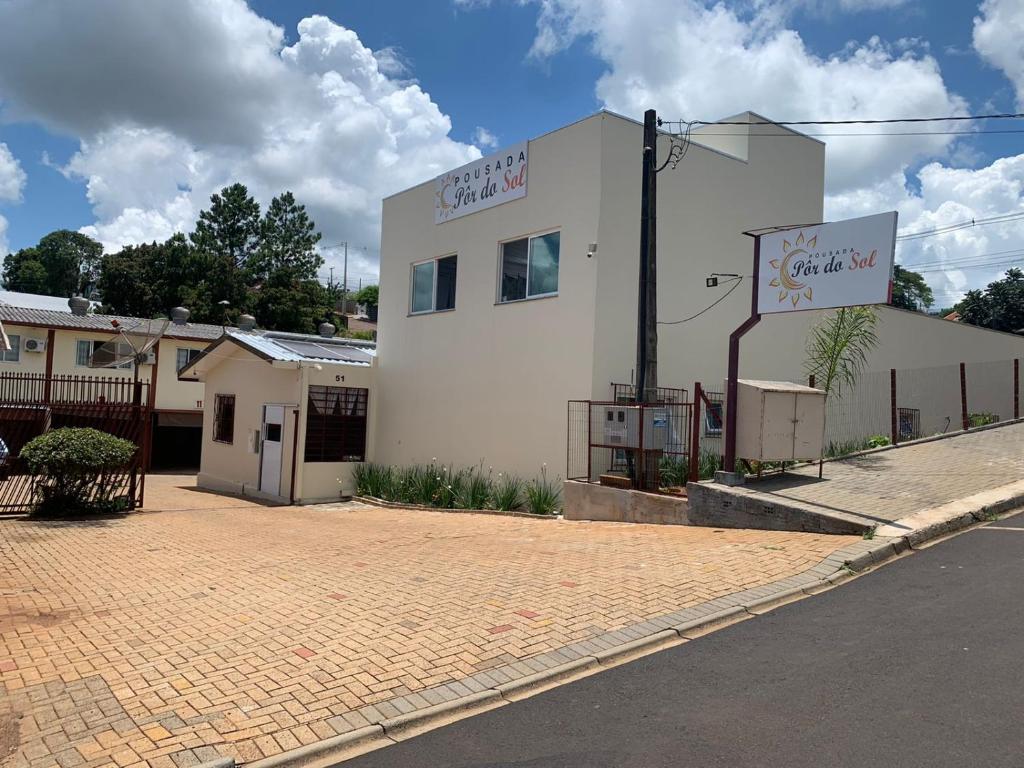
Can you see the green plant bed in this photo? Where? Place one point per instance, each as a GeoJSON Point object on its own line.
{"type": "Point", "coordinates": [77, 472]}
{"type": "Point", "coordinates": [441, 486]}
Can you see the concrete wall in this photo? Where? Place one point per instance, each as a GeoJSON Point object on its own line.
{"type": "Point", "coordinates": [489, 382]}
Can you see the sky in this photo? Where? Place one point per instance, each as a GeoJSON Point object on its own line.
{"type": "Point", "coordinates": [120, 118]}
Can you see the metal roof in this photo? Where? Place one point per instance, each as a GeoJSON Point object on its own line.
{"type": "Point", "coordinates": [37, 301]}
{"type": "Point", "coordinates": [48, 318]}
{"type": "Point", "coordinates": [297, 348]}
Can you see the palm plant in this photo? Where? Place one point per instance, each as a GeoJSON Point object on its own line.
{"type": "Point", "coordinates": [838, 348]}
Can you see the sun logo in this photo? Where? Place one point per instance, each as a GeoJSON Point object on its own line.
{"type": "Point", "coordinates": [442, 203]}
{"type": "Point", "coordinates": [789, 287]}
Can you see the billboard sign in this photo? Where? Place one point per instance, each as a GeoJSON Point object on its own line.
{"type": "Point", "coordinates": [482, 184]}
{"type": "Point", "coordinates": [839, 264]}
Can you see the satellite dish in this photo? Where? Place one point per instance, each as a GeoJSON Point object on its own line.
{"type": "Point", "coordinates": [130, 345]}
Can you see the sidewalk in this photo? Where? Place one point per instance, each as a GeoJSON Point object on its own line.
{"type": "Point", "coordinates": [890, 488]}
{"type": "Point", "coordinates": [244, 631]}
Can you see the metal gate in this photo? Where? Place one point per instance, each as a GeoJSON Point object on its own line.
{"type": "Point", "coordinates": [32, 403]}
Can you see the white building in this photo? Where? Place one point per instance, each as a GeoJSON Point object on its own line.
{"type": "Point", "coordinates": [493, 316]}
{"type": "Point", "coordinates": [288, 415]}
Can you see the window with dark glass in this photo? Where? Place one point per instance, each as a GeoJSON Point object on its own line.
{"type": "Point", "coordinates": [336, 424]}
{"type": "Point", "coordinates": [185, 356]}
{"type": "Point", "coordinates": [529, 267]}
{"type": "Point", "coordinates": [433, 285]}
{"type": "Point", "coordinates": [713, 419]}
{"type": "Point", "coordinates": [224, 419]}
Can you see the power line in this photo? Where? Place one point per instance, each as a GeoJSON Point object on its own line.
{"type": "Point", "coordinates": [736, 284]}
{"type": "Point", "coordinates": [887, 120]}
{"type": "Point", "coordinates": [801, 135]}
{"type": "Point", "coordinates": [998, 219]}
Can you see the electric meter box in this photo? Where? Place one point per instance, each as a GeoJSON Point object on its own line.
{"type": "Point", "coordinates": [621, 426]}
{"type": "Point", "coordinates": [779, 421]}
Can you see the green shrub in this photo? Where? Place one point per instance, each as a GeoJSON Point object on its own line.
{"type": "Point", "coordinates": [982, 419]}
{"type": "Point", "coordinates": [878, 441]}
{"type": "Point", "coordinates": [543, 496]}
{"type": "Point", "coordinates": [508, 493]}
{"type": "Point", "coordinates": [674, 472]}
{"type": "Point", "coordinates": [708, 462]}
{"type": "Point", "coordinates": [475, 490]}
{"type": "Point", "coordinates": [77, 471]}
{"type": "Point", "coordinates": [374, 480]}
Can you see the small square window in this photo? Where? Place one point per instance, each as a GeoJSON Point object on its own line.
{"type": "Point", "coordinates": [13, 354]}
{"type": "Point", "coordinates": [529, 267]}
{"type": "Point", "coordinates": [713, 419]}
{"type": "Point", "coordinates": [433, 285]}
{"type": "Point", "coordinates": [185, 356]}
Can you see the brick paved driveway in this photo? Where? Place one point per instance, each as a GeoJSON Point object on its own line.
{"type": "Point", "coordinates": [892, 484]}
{"type": "Point", "coordinates": [226, 627]}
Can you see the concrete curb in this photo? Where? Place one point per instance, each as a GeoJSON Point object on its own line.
{"type": "Point", "coordinates": [503, 685]}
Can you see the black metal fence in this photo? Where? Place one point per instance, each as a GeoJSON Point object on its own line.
{"type": "Point", "coordinates": [31, 404]}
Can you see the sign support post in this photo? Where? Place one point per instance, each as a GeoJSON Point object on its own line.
{"type": "Point", "coordinates": [732, 383]}
{"type": "Point", "coordinates": [834, 264]}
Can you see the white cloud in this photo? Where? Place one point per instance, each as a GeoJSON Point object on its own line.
{"type": "Point", "coordinates": [696, 62]}
{"type": "Point", "coordinates": [484, 138]}
{"type": "Point", "coordinates": [173, 100]}
{"type": "Point", "coordinates": [4, 245]}
{"type": "Point", "coordinates": [950, 196]}
{"type": "Point", "coordinates": [998, 39]}
{"type": "Point", "coordinates": [12, 177]}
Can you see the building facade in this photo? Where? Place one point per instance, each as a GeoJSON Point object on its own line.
{"type": "Point", "coordinates": [493, 316]}
{"type": "Point", "coordinates": [288, 416]}
{"type": "Point", "coordinates": [59, 343]}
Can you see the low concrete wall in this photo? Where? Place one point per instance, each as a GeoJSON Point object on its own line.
{"type": "Point", "coordinates": [589, 501]}
{"type": "Point", "coordinates": [721, 506]}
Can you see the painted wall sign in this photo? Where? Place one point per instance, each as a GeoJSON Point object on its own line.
{"type": "Point", "coordinates": [839, 264]}
{"type": "Point", "coordinates": [482, 184]}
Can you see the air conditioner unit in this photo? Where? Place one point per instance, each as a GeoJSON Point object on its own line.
{"type": "Point", "coordinates": [35, 345]}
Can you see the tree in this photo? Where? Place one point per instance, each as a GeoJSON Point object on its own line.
{"type": "Point", "coordinates": [298, 306]}
{"type": "Point", "coordinates": [69, 260]}
{"type": "Point", "coordinates": [288, 239]}
{"type": "Point", "coordinates": [226, 237]}
{"type": "Point", "coordinates": [999, 306]}
{"type": "Point", "coordinates": [910, 291]}
{"type": "Point", "coordinates": [148, 280]}
{"type": "Point", "coordinates": [369, 296]}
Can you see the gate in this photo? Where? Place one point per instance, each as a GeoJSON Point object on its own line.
{"type": "Point", "coordinates": [33, 403]}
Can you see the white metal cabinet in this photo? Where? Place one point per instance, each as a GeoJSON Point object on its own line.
{"type": "Point", "coordinates": [779, 421]}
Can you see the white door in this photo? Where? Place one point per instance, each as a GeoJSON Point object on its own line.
{"type": "Point", "coordinates": [271, 449]}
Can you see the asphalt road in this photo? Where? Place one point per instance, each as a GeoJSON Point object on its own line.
{"type": "Point", "coordinates": [920, 663]}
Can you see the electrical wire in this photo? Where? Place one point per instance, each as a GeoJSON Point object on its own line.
{"type": "Point", "coordinates": [816, 134]}
{"type": "Point", "coordinates": [887, 120]}
{"type": "Point", "coordinates": [736, 284]}
{"type": "Point", "coordinates": [998, 219]}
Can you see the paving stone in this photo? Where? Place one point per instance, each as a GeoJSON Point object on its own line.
{"type": "Point", "coordinates": [166, 637]}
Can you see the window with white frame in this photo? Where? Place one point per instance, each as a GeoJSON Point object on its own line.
{"type": "Point", "coordinates": [433, 285]}
{"type": "Point", "coordinates": [529, 267]}
{"type": "Point", "coordinates": [185, 356]}
{"type": "Point", "coordinates": [13, 354]}
{"type": "Point", "coordinates": [84, 349]}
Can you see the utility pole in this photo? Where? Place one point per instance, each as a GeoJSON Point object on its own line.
{"type": "Point", "coordinates": [344, 277]}
{"type": "Point", "coordinates": [330, 280]}
{"type": "Point", "coordinates": [647, 298]}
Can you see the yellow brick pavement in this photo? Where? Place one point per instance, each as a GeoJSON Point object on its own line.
{"type": "Point", "coordinates": [227, 627]}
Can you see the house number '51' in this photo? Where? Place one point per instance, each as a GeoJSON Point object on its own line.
{"type": "Point", "coordinates": [339, 378]}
